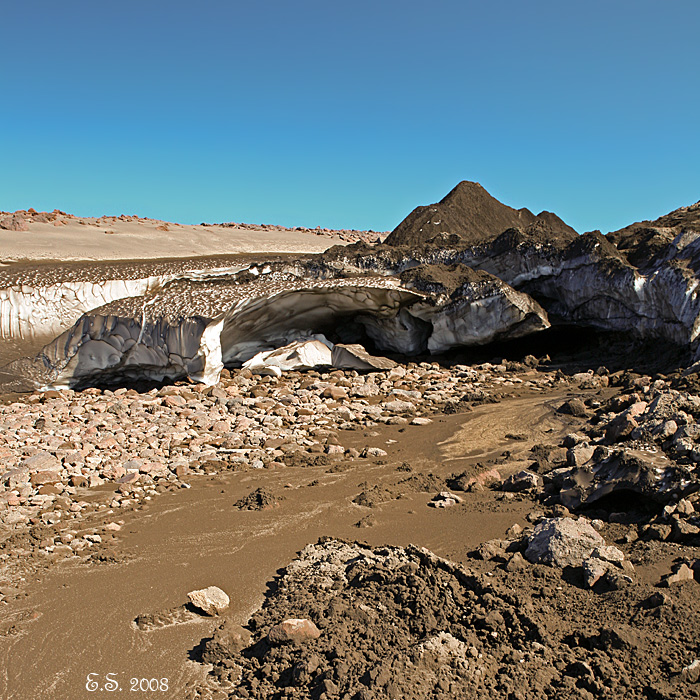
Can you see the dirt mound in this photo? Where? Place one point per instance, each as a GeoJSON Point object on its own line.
{"type": "Point", "coordinates": [405, 623]}
{"type": "Point", "coordinates": [470, 215]}
{"type": "Point", "coordinates": [260, 499]}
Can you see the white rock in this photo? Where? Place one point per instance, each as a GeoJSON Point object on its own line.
{"type": "Point", "coordinates": [562, 542]}
{"type": "Point", "coordinates": [301, 354]}
{"type": "Point", "coordinates": [211, 601]}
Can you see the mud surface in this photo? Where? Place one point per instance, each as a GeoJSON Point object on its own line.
{"type": "Point", "coordinates": [423, 608]}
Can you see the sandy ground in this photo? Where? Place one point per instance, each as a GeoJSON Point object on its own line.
{"type": "Point", "coordinates": [78, 619]}
{"type": "Point", "coordinates": [130, 238]}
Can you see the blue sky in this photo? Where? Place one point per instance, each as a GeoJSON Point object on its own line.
{"type": "Point", "coordinates": [311, 113]}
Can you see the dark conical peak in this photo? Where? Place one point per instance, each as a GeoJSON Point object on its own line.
{"type": "Point", "coordinates": [466, 188]}
{"type": "Point", "coordinates": [469, 211]}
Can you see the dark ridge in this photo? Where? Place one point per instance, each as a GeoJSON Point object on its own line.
{"type": "Point", "coordinates": [548, 222]}
{"type": "Point", "coordinates": [472, 214]}
{"type": "Point", "coordinates": [444, 279]}
{"type": "Point", "coordinates": [644, 242]}
{"type": "Point", "coordinates": [594, 243]}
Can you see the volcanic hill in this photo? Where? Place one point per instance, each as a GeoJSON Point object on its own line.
{"type": "Point", "coordinates": [471, 213]}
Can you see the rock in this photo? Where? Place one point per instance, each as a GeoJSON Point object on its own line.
{"type": "Point", "coordinates": [334, 392]}
{"type": "Point", "coordinates": [514, 531]}
{"type": "Point", "coordinates": [595, 569]}
{"type": "Point", "coordinates": [491, 549]}
{"type": "Point", "coordinates": [522, 481]}
{"type": "Point", "coordinates": [655, 600]}
{"type": "Point", "coordinates": [444, 499]}
{"type": "Point", "coordinates": [14, 222]}
{"type": "Point", "coordinates": [42, 461]}
{"type": "Point", "coordinates": [227, 640]}
{"type": "Point", "coordinates": [45, 477]}
{"type": "Point", "coordinates": [418, 420]}
{"type": "Point", "coordinates": [293, 630]}
{"type": "Point", "coordinates": [212, 600]}
{"type": "Point", "coordinates": [260, 499]}
{"type": "Point", "coordinates": [666, 430]}
{"type": "Point", "coordinates": [579, 454]}
{"type": "Point", "coordinates": [685, 507]}
{"type": "Point", "coordinates": [620, 428]}
{"type": "Point", "coordinates": [657, 531]}
{"type": "Point", "coordinates": [574, 407]}
{"type": "Point", "coordinates": [562, 542]}
{"type": "Point", "coordinates": [301, 354]}
{"type": "Point", "coordinates": [680, 575]}
{"type": "Point", "coordinates": [356, 357]}
{"type": "Point", "coordinates": [684, 531]}
{"type": "Point", "coordinates": [373, 452]}
{"type": "Point", "coordinates": [620, 472]}
{"type": "Point", "coordinates": [691, 673]}
{"type": "Point", "coordinates": [610, 554]}
{"type": "Point", "coordinates": [573, 439]}
{"type": "Point", "coordinates": [399, 406]}
{"type": "Point", "coordinates": [516, 562]}
{"type": "Point", "coordinates": [463, 482]}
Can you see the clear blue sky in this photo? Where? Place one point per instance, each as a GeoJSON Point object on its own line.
{"type": "Point", "coordinates": [349, 114]}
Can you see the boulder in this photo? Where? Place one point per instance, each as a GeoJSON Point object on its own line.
{"type": "Point", "coordinates": [356, 357]}
{"type": "Point", "coordinates": [562, 542]}
{"type": "Point", "coordinates": [301, 354]}
{"type": "Point", "coordinates": [211, 600]}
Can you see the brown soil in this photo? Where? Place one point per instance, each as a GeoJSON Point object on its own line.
{"type": "Point", "coordinates": [530, 632]}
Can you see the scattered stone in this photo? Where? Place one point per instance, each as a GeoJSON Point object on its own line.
{"type": "Point", "coordinates": [522, 481]}
{"type": "Point", "coordinates": [445, 499]}
{"type": "Point", "coordinates": [293, 630]}
{"type": "Point", "coordinates": [212, 600]}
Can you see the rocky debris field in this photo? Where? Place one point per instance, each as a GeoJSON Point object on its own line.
{"type": "Point", "coordinates": [595, 596]}
{"type": "Point", "coordinates": [67, 455]}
